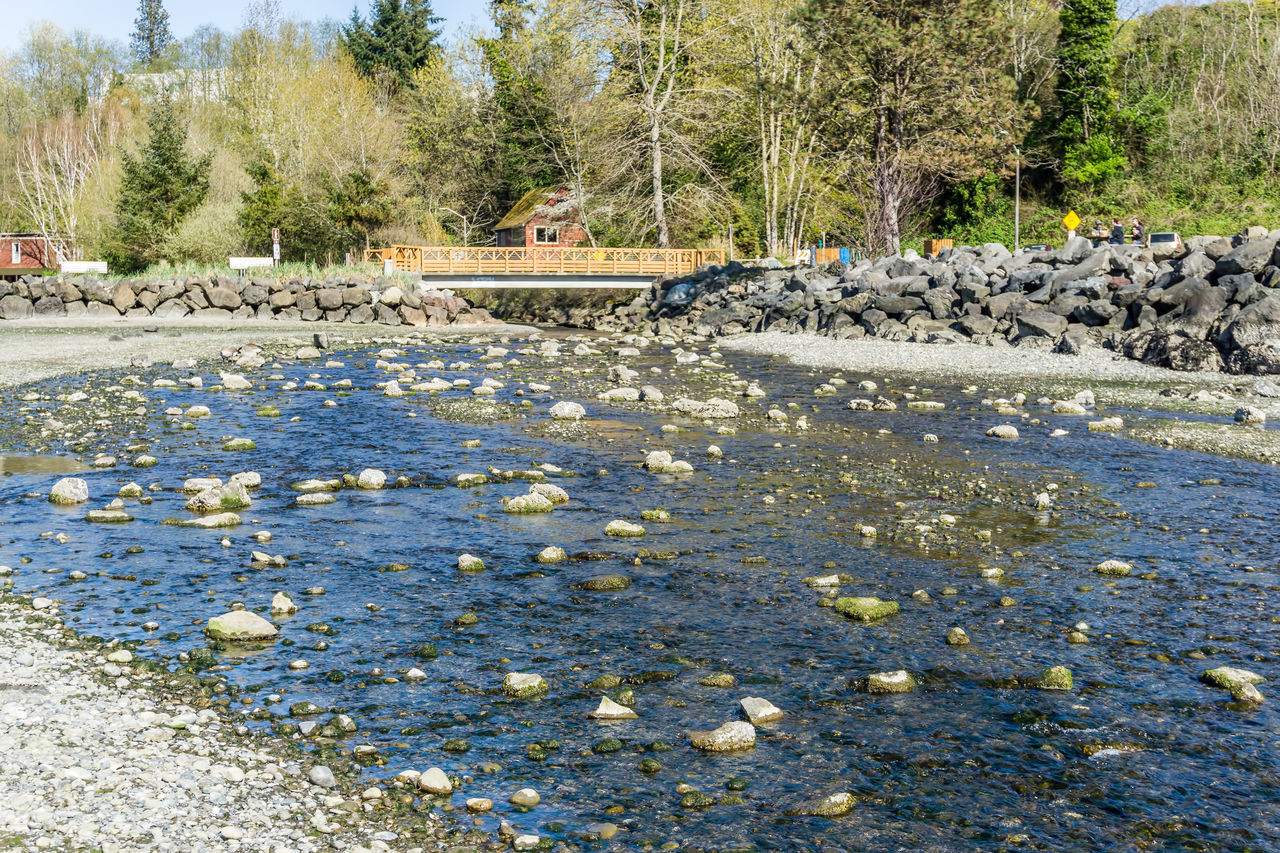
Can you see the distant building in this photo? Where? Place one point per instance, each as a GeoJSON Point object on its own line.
{"type": "Point", "coordinates": [547, 217]}
{"type": "Point", "coordinates": [27, 252]}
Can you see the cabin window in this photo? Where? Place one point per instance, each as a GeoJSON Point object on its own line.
{"type": "Point", "coordinates": [15, 253]}
{"type": "Point", "coordinates": [546, 236]}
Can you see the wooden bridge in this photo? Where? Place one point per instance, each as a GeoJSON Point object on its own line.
{"type": "Point", "coordinates": [543, 266]}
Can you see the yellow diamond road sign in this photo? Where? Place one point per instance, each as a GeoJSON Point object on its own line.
{"type": "Point", "coordinates": [1071, 220]}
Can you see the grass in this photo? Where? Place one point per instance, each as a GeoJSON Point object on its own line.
{"type": "Point", "coordinates": [283, 271]}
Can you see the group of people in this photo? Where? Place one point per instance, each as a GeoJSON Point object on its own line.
{"type": "Point", "coordinates": [1115, 235]}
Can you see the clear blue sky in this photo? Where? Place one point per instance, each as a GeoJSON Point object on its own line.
{"type": "Point", "coordinates": [114, 18]}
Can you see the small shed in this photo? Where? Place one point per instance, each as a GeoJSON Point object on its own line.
{"type": "Point", "coordinates": [546, 217]}
{"type": "Point", "coordinates": [27, 252]}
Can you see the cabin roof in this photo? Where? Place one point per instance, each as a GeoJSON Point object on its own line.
{"type": "Point", "coordinates": [526, 208]}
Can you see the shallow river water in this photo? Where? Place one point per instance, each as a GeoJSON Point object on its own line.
{"type": "Point", "coordinates": [1138, 755]}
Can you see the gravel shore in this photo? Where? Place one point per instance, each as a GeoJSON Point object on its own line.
{"type": "Point", "coordinates": [91, 758]}
{"type": "Point", "coordinates": [960, 361]}
{"type": "Point", "coordinates": [32, 350]}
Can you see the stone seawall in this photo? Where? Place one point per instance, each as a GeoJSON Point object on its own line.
{"type": "Point", "coordinates": [349, 299]}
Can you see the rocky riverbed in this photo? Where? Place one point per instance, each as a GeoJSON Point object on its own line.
{"type": "Point", "coordinates": [583, 592]}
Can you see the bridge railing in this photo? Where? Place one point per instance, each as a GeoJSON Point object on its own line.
{"type": "Point", "coordinates": [543, 260]}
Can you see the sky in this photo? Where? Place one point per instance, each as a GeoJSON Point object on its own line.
{"type": "Point", "coordinates": [113, 19]}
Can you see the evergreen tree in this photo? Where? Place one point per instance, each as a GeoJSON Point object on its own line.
{"type": "Point", "coordinates": [151, 40]}
{"type": "Point", "coordinates": [1086, 61]}
{"type": "Point", "coordinates": [159, 187]}
{"type": "Point", "coordinates": [520, 106]}
{"type": "Point", "coordinates": [399, 38]}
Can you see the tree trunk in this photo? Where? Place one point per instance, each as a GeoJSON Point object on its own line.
{"type": "Point", "coordinates": [659, 201]}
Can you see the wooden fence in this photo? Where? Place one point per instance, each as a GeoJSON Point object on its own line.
{"type": "Point", "coordinates": [544, 260]}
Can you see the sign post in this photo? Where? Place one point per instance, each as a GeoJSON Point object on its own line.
{"type": "Point", "coordinates": [275, 245]}
{"type": "Point", "coordinates": [1072, 222]}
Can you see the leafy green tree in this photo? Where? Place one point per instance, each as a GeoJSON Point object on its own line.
{"type": "Point", "coordinates": [151, 40]}
{"type": "Point", "coordinates": [1086, 61]}
{"type": "Point", "coordinates": [159, 187]}
{"type": "Point", "coordinates": [921, 90]}
{"type": "Point", "coordinates": [399, 38]}
{"type": "Point", "coordinates": [263, 207]}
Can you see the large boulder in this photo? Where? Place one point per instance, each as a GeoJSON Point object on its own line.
{"type": "Point", "coordinates": [1251, 257]}
{"type": "Point", "coordinates": [69, 491]}
{"type": "Point", "coordinates": [1040, 323]}
{"type": "Point", "coordinates": [240, 626]}
{"type": "Point", "coordinates": [14, 307]}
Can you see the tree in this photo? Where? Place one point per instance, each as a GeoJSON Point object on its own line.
{"type": "Point", "coordinates": [656, 45]}
{"type": "Point", "coordinates": [399, 38]}
{"type": "Point", "coordinates": [159, 187]}
{"type": "Point", "coordinates": [922, 90]}
{"type": "Point", "coordinates": [56, 160]}
{"type": "Point", "coordinates": [151, 39]}
{"type": "Point", "coordinates": [1086, 61]}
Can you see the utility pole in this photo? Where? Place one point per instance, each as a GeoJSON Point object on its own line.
{"type": "Point", "coordinates": [1017, 200]}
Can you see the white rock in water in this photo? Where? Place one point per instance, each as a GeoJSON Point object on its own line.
{"type": "Point", "coordinates": [69, 490]}
{"type": "Point", "coordinates": [282, 605]}
{"type": "Point", "coordinates": [526, 842]}
{"type": "Point", "coordinates": [1068, 407]}
{"type": "Point", "coordinates": [314, 499]}
{"type": "Point", "coordinates": [434, 781]}
{"type": "Point", "coordinates": [611, 710]}
{"type": "Point", "coordinates": [551, 492]}
{"type": "Point", "coordinates": [240, 625]}
{"type": "Point", "coordinates": [470, 563]}
{"type": "Point", "coordinates": [371, 478]}
{"type": "Point", "coordinates": [759, 710]}
{"type": "Point", "coordinates": [730, 737]}
{"type": "Point", "coordinates": [248, 479]}
{"type": "Point", "coordinates": [526, 797]}
{"type": "Point", "coordinates": [532, 502]}
{"type": "Point", "coordinates": [1003, 431]}
{"type": "Point", "coordinates": [523, 685]}
{"type": "Point", "coordinates": [234, 382]}
{"type": "Point", "coordinates": [393, 389]}
{"type": "Point", "coordinates": [566, 410]}
{"type": "Point", "coordinates": [624, 529]}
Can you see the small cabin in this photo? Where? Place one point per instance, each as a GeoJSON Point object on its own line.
{"type": "Point", "coordinates": [549, 217]}
{"type": "Point", "coordinates": [27, 253]}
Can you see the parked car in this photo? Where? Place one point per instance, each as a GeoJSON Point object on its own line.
{"type": "Point", "coordinates": [1037, 247]}
{"type": "Point", "coordinates": [1165, 242]}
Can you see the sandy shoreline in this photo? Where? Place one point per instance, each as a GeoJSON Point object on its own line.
{"type": "Point", "coordinates": [33, 350]}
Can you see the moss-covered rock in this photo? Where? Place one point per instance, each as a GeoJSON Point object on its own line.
{"type": "Point", "coordinates": [865, 609]}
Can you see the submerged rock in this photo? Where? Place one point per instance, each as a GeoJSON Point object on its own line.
{"type": "Point", "coordinates": [832, 805]}
{"type": "Point", "coordinates": [604, 583]}
{"type": "Point", "coordinates": [898, 681]}
{"type": "Point", "coordinates": [1055, 678]}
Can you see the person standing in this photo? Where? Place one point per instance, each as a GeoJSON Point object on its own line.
{"type": "Point", "coordinates": [1138, 233]}
{"type": "Point", "coordinates": [1117, 233]}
